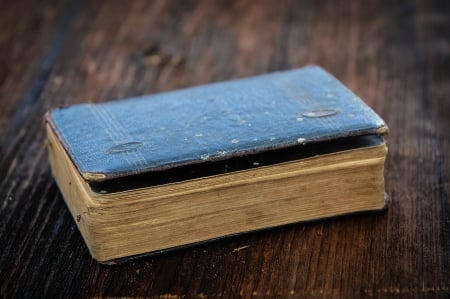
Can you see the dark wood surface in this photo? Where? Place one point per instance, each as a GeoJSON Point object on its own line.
{"type": "Point", "coordinates": [394, 54]}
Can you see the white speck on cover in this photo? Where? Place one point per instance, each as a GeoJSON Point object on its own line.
{"type": "Point", "coordinates": [234, 140]}
{"type": "Point", "coordinates": [222, 153]}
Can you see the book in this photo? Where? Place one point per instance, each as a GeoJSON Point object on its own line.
{"type": "Point", "coordinates": [157, 172]}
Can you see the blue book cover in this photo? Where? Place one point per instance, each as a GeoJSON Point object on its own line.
{"type": "Point", "coordinates": [210, 123]}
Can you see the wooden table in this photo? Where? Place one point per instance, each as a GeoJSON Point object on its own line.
{"type": "Point", "coordinates": [395, 55]}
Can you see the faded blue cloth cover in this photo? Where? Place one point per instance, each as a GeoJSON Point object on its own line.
{"type": "Point", "coordinates": [210, 122]}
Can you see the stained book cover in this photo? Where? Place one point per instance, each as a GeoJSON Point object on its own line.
{"type": "Point", "coordinates": [211, 122]}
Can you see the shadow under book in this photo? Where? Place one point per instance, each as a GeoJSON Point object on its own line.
{"type": "Point", "coordinates": [176, 168]}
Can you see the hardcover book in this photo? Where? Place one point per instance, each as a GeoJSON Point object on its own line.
{"type": "Point", "coordinates": [161, 171]}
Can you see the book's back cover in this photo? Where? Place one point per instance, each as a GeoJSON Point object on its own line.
{"type": "Point", "coordinates": [210, 122]}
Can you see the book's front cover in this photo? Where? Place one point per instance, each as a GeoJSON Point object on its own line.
{"type": "Point", "coordinates": [210, 122]}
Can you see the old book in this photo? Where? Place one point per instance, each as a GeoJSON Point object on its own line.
{"type": "Point", "coordinates": [161, 171]}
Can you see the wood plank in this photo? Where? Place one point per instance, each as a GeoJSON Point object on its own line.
{"type": "Point", "coordinates": [393, 55]}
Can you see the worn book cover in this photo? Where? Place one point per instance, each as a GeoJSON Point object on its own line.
{"type": "Point", "coordinates": [187, 138]}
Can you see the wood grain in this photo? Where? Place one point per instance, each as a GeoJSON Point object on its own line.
{"type": "Point", "coordinates": [394, 55]}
